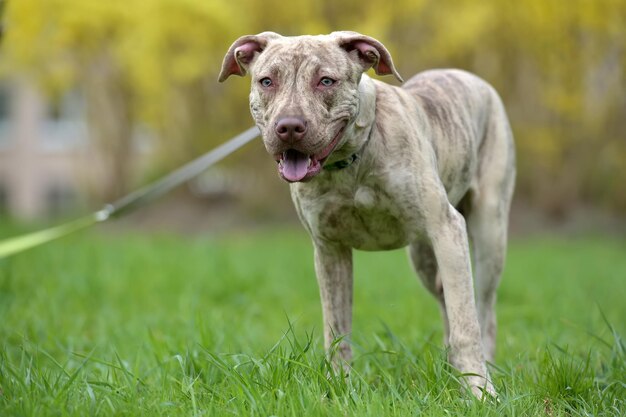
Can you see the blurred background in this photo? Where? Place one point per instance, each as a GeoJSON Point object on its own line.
{"type": "Point", "coordinates": [99, 97]}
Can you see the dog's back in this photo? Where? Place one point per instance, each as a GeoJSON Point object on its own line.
{"type": "Point", "coordinates": [460, 110]}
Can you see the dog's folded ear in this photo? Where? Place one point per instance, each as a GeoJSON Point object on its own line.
{"type": "Point", "coordinates": [369, 52]}
{"type": "Point", "coordinates": [242, 53]}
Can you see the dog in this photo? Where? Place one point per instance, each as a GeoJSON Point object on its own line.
{"type": "Point", "coordinates": [372, 166]}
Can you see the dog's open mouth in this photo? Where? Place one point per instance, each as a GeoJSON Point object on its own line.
{"type": "Point", "coordinates": [295, 166]}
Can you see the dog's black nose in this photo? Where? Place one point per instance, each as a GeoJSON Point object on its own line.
{"type": "Point", "coordinates": [290, 129]}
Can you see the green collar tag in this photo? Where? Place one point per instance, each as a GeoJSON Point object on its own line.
{"type": "Point", "coordinates": [344, 163]}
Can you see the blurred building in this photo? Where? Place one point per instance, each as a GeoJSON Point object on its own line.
{"type": "Point", "coordinates": [47, 163]}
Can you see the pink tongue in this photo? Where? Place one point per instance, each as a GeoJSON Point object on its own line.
{"type": "Point", "coordinates": [295, 165]}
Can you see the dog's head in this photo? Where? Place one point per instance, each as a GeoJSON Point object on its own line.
{"type": "Point", "coordinates": [305, 91]}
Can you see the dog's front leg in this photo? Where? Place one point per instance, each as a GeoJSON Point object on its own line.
{"type": "Point", "coordinates": [333, 266]}
{"type": "Point", "coordinates": [450, 244]}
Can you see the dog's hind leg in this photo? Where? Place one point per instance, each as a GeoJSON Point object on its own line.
{"type": "Point", "coordinates": [424, 263]}
{"type": "Point", "coordinates": [486, 211]}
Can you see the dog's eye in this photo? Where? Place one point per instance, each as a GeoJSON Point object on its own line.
{"type": "Point", "coordinates": [265, 82]}
{"type": "Point", "coordinates": [326, 82]}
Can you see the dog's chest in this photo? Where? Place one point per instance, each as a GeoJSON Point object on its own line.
{"type": "Point", "coordinates": [366, 217]}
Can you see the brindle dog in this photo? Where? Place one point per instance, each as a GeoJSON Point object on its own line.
{"type": "Point", "coordinates": [378, 167]}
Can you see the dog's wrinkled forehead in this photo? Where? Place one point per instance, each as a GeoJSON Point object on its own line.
{"type": "Point", "coordinates": [347, 52]}
{"type": "Point", "coordinates": [301, 53]}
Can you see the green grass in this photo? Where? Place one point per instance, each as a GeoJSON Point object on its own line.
{"type": "Point", "coordinates": [132, 325]}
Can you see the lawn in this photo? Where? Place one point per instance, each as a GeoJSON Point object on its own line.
{"type": "Point", "coordinates": [105, 324]}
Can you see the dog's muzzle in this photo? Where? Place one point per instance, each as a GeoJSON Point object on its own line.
{"type": "Point", "coordinates": [295, 165]}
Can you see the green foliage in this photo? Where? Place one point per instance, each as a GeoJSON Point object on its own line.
{"type": "Point", "coordinates": [146, 326]}
{"type": "Point", "coordinates": [559, 66]}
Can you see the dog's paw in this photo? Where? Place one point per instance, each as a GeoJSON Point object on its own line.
{"type": "Point", "coordinates": [481, 388]}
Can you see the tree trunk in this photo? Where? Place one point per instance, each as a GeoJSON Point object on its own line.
{"type": "Point", "coordinates": [109, 117]}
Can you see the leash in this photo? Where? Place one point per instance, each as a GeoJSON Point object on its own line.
{"type": "Point", "coordinates": [131, 201]}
